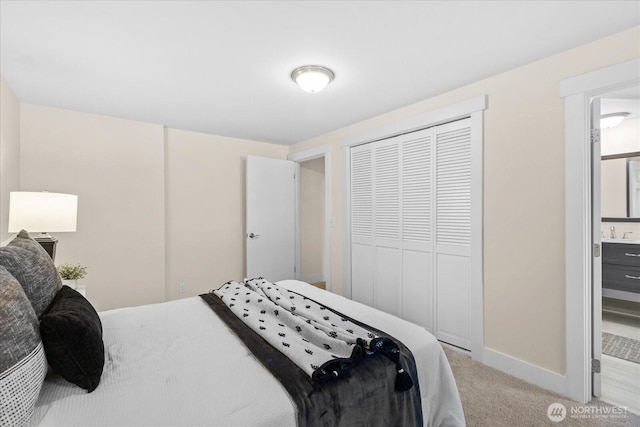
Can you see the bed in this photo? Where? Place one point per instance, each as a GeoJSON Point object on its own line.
{"type": "Point", "coordinates": [178, 363]}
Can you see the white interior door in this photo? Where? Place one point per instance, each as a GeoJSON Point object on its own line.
{"type": "Point", "coordinates": [453, 232]}
{"type": "Point", "coordinates": [271, 219]}
{"type": "Point", "coordinates": [362, 227]}
{"type": "Point", "coordinates": [406, 192]}
{"type": "Point", "coordinates": [596, 274]}
{"type": "Point", "coordinates": [387, 219]}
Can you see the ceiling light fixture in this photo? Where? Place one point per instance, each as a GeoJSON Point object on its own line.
{"type": "Point", "coordinates": [312, 78]}
{"type": "Point", "coordinates": [612, 119]}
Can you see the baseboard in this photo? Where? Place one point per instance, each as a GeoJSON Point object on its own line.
{"type": "Point", "coordinates": [532, 374]}
{"type": "Point", "coordinates": [314, 278]}
{"type": "Point", "coordinates": [454, 348]}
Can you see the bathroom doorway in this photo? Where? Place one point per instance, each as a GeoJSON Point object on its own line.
{"type": "Point", "coordinates": [616, 272]}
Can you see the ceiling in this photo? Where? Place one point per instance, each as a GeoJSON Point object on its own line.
{"type": "Point", "coordinates": [224, 67]}
{"type": "Point", "coordinates": [626, 100]}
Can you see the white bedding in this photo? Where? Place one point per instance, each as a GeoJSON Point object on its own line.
{"type": "Point", "coordinates": [176, 363]}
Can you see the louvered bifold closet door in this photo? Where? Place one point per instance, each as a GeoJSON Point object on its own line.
{"type": "Point", "coordinates": [362, 266]}
{"type": "Point", "coordinates": [387, 170]}
{"type": "Point", "coordinates": [453, 232]}
{"type": "Point", "coordinates": [417, 218]}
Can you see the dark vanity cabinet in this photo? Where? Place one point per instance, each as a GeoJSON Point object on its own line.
{"type": "Point", "coordinates": [621, 267]}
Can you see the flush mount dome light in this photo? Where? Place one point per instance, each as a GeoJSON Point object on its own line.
{"type": "Point", "coordinates": [312, 78]}
{"type": "Point", "coordinates": [612, 119]}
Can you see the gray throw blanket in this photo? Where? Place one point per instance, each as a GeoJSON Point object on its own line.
{"type": "Point", "coordinates": [357, 375]}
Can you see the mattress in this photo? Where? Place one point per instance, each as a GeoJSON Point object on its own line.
{"type": "Point", "coordinates": [177, 364]}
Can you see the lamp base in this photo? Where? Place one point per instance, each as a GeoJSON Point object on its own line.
{"type": "Point", "coordinates": [48, 243]}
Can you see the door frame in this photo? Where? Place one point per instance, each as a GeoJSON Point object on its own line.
{"type": "Point", "coordinates": [577, 92]}
{"type": "Point", "coordinates": [303, 156]}
{"type": "Point", "coordinates": [596, 227]}
{"type": "Point", "coordinates": [474, 109]}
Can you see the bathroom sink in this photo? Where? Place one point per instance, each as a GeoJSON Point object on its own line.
{"type": "Point", "coordinates": [618, 240]}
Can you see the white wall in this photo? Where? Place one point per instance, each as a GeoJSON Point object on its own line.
{"type": "Point", "coordinates": [524, 286]}
{"type": "Point", "coordinates": [205, 222]}
{"type": "Point", "coordinates": [9, 151]}
{"type": "Point", "coordinates": [116, 167]}
{"type": "Point", "coordinates": [624, 138]}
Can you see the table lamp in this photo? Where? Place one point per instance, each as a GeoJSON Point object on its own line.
{"type": "Point", "coordinates": [43, 213]}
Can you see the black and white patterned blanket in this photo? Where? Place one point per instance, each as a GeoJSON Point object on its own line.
{"type": "Point", "coordinates": [364, 393]}
{"type": "Point", "coordinates": [324, 344]}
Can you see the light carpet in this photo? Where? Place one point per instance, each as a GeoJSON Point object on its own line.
{"type": "Point", "coordinates": [491, 398]}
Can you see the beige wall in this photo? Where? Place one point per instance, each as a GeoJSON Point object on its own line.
{"type": "Point", "coordinates": [205, 176]}
{"type": "Point", "coordinates": [115, 167]}
{"type": "Point", "coordinates": [312, 219]}
{"type": "Point", "coordinates": [9, 151]}
{"type": "Point", "coordinates": [524, 287]}
{"type": "Point", "coordinates": [157, 207]}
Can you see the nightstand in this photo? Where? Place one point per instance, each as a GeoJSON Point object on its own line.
{"type": "Point", "coordinates": [82, 290]}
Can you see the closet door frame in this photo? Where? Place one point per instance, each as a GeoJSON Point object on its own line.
{"type": "Point", "coordinates": [474, 109]}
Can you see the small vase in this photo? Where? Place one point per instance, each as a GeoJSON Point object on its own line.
{"type": "Point", "coordinates": [72, 283]}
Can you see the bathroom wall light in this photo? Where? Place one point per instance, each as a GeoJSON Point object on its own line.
{"type": "Point", "coordinates": [312, 78]}
{"type": "Point", "coordinates": [612, 119]}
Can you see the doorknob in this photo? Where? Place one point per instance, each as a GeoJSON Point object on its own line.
{"type": "Point", "coordinates": [253, 236]}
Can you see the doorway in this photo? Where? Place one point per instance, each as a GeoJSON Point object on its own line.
{"type": "Point", "coordinates": [578, 92]}
{"type": "Point", "coordinates": [312, 220]}
{"type": "Point", "coordinates": [275, 199]}
{"type": "Point", "coordinates": [320, 198]}
{"type": "Point", "coordinates": [616, 325]}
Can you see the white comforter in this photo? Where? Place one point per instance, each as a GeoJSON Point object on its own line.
{"type": "Point", "coordinates": [176, 363]}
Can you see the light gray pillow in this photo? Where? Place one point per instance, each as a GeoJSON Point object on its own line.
{"type": "Point", "coordinates": [28, 262]}
{"type": "Point", "coordinates": [23, 364]}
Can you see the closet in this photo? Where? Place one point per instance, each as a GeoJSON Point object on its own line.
{"type": "Point", "coordinates": [411, 228]}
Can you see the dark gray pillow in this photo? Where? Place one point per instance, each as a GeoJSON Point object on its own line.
{"type": "Point", "coordinates": [72, 336]}
{"type": "Point", "coordinates": [23, 365]}
{"type": "Point", "coordinates": [28, 262]}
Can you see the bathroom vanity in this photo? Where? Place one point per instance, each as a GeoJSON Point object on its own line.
{"type": "Point", "coordinates": [621, 269]}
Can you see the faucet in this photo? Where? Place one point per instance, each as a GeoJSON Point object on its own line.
{"type": "Point", "coordinates": [613, 232]}
{"type": "Point", "coordinates": [624, 236]}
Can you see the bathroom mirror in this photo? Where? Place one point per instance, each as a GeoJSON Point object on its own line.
{"type": "Point", "coordinates": [620, 187]}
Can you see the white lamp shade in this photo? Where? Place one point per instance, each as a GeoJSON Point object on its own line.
{"type": "Point", "coordinates": [42, 212]}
